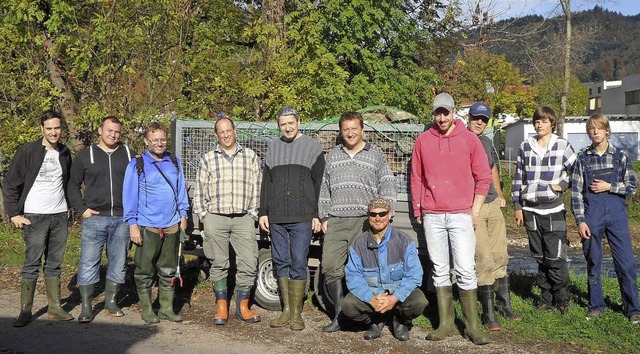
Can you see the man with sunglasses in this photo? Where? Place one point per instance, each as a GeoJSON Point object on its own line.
{"type": "Point", "coordinates": [491, 233]}
{"type": "Point", "coordinates": [383, 276]}
{"type": "Point", "coordinates": [356, 171]}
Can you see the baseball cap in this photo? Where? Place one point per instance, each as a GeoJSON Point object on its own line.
{"type": "Point", "coordinates": [444, 100]}
{"type": "Point", "coordinates": [480, 109]}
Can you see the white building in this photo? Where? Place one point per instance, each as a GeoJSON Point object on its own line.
{"type": "Point", "coordinates": [615, 98]}
{"type": "Point", "coordinates": [624, 134]}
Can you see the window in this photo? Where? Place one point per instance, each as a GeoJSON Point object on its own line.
{"type": "Point", "coordinates": [599, 89]}
{"type": "Point", "coordinates": [632, 97]}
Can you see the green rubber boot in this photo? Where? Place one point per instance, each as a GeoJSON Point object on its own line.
{"type": "Point", "coordinates": [166, 306]}
{"type": "Point", "coordinates": [55, 312]}
{"type": "Point", "coordinates": [296, 298]}
{"type": "Point", "coordinates": [111, 308]}
{"type": "Point", "coordinates": [469, 302]}
{"type": "Point", "coordinates": [27, 290]}
{"type": "Point", "coordinates": [86, 312]}
{"type": "Point", "coordinates": [284, 318]}
{"type": "Point", "coordinates": [147, 314]}
{"type": "Point", "coordinates": [446, 314]}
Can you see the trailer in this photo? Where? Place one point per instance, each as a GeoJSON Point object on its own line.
{"type": "Point", "coordinates": [191, 139]}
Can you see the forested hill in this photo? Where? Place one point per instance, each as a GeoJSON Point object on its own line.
{"type": "Point", "coordinates": [606, 43]}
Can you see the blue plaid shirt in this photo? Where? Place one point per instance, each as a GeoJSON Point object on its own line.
{"type": "Point", "coordinates": [537, 170]}
{"type": "Point", "coordinates": [626, 184]}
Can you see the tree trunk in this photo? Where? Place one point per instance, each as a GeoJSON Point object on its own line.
{"type": "Point", "coordinates": [566, 7]}
{"type": "Point", "coordinates": [67, 102]}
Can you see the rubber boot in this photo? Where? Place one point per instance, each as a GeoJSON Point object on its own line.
{"type": "Point", "coordinates": [446, 314]}
{"type": "Point", "coordinates": [27, 290]}
{"type": "Point", "coordinates": [166, 306]}
{"type": "Point", "coordinates": [469, 302]}
{"type": "Point", "coordinates": [284, 318]}
{"type": "Point", "coordinates": [111, 308]}
{"type": "Point", "coordinates": [242, 308]}
{"type": "Point", "coordinates": [375, 329]}
{"type": "Point", "coordinates": [222, 314]}
{"type": "Point", "coordinates": [485, 295]}
{"type": "Point", "coordinates": [55, 312]}
{"type": "Point", "coordinates": [401, 328]}
{"type": "Point", "coordinates": [296, 298]}
{"type": "Point", "coordinates": [86, 312]}
{"type": "Point", "coordinates": [503, 299]}
{"type": "Point", "coordinates": [147, 314]}
{"type": "Point", "coordinates": [335, 291]}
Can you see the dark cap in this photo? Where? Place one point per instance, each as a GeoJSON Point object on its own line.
{"type": "Point", "coordinates": [480, 109]}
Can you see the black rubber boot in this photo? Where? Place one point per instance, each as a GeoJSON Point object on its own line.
{"type": "Point", "coordinates": [485, 295]}
{"type": "Point", "coordinates": [111, 289]}
{"type": "Point", "coordinates": [401, 328]}
{"type": "Point", "coordinates": [469, 302]}
{"type": "Point", "coordinates": [55, 312]}
{"type": "Point", "coordinates": [503, 299]}
{"type": "Point", "coordinates": [86, 312]}
{"type": "Point", "coordinates": [446, 314]}
{"type": "Point", "coordinates": [375, 329]}
{"type": "Point", "coordinates": [27, 290]}
{"type": "Point", "coordinates": [284, 318]}
{"type": "Point", "coordinates": [335, 291]}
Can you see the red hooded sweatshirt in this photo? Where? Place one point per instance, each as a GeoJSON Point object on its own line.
{"type": "Point", "coordinates": [447, 171]}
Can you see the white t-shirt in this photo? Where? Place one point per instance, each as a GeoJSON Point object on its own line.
{"type": "Point", "coordinates": [47, 194]}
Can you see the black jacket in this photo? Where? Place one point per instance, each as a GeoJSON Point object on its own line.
{"type": "Point", "coordinates": [23, 171]}
{"type": "Point", "coordinates": [102, 178]}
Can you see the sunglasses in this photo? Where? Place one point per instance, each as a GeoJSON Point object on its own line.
{"type": "Point", "coordinates": [381, 214]}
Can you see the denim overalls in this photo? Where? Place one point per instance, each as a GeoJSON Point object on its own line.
{"type": "Point", "coordinates": [606, 214]}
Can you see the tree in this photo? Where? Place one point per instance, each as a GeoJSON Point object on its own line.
{"type": "Point", "coordinates": [566, 9]}
{"type": "Point", "coordinates": [477, 75]}
{"type": "Point", "coordinates": [549, 93]}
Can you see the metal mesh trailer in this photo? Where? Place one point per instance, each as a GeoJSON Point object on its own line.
{"type": "Point", "coordinates": [191, 139]}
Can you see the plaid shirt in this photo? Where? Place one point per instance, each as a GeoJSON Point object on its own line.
{"type": "Point", "coordinates": [228, 184]}
{"type": "Point", "coordinates": [626, 183]}
{"type": "Point", "coordinates": [537, 170]}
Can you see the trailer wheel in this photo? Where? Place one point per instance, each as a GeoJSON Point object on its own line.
{"type": "Point", "coordinates": [266, 294]}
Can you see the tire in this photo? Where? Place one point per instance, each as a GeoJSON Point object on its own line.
{"type": "Point", "coordinates": [266, 295]}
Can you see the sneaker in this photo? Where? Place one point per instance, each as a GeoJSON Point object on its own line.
{"type": "Point", "coordinates": [635, 318]}
{"type": "Point", "coordinates": [593, 314]}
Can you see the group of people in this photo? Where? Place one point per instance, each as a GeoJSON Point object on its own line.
{"type": "Point", "coordinates": [371, 270]}
{"type": "Point", "coordinates": [120, 195]}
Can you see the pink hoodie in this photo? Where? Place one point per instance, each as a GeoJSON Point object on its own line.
{"type": "Point", "coordinates": [447, 171]}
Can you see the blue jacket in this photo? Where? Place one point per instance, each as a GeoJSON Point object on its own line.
{"type": "Point", "coordinates": [392, 265]}
{"type": "Point", "coordinates": [148, 199]}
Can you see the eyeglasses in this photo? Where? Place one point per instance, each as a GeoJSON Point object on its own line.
{"type": "Point", "coordinates": [381, 214]}
{"type": "Point", "coordinates": [483, 118]}
{"type": "Point", "coordinates": [158, 141]}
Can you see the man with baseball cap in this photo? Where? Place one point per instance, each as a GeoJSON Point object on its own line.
{"type": "Point", "coordinates": [383, 276]}
{"type": "Point", "coordinates": [450, 179]}
{"type": "Point", "coordinates": [491, 233]}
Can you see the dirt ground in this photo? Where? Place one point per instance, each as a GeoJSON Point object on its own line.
{"type": "Point", "coordinates": [197, 334]}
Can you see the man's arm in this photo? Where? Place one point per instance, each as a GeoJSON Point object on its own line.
{"type": "Point", "coordinates": [74, 187]}
{"type": "Point", "coordinates": [356, 281]}
{"type": "Point", "coordinates": [412, 277]}
{"type": "Point", "coordinates": [13, 183]}
{"type": "Point", "coordinates": [199, 191]}
{"type": "Point", "coordinates": [416, 180]}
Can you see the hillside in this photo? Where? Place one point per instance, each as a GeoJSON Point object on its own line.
{"type": "Point", "coordinates": [606, 43]}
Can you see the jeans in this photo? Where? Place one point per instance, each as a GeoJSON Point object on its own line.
{"type": "Point", "coordinates": [96, 232]}
{"type": "Point", "coordinates": [290, 249]}
{"type": "Point", "coordinates": [442, 230]}
{"type": "Point", "coordinates": [47, 235]}
{"type": "Point", "coordinates": [240, 232]}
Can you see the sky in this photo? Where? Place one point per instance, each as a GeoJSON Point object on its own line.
{"type": "Point", "coordinates": [503, 9]}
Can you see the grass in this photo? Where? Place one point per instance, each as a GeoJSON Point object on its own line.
{"type": "Point", "coordinates": [609, 333]}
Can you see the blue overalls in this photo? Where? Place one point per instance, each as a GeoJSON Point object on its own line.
{"type": "Point", "coordinates": [606, 214]}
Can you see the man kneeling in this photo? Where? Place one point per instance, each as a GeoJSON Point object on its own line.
{"type": "Point", "coordinates": [383, 275]}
